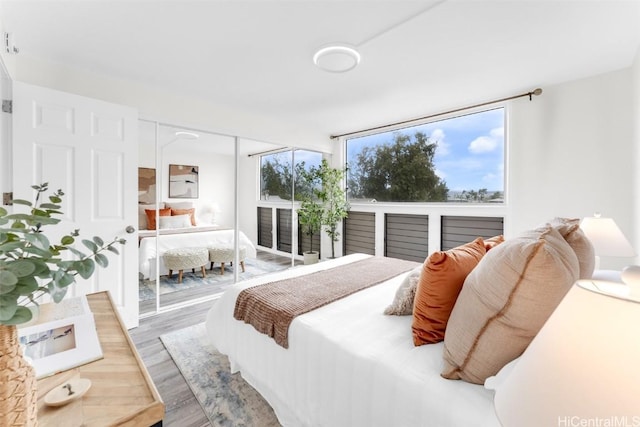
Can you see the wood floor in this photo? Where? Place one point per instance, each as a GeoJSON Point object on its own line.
{"type": "Point", "coordinates": [181, 407]}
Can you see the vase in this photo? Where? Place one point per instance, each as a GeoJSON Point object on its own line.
{"type": "Point", "coordinates": [310, 257]}
{"type": "Point", "coordinates": [18, 396]}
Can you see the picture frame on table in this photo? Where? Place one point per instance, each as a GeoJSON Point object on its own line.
{"type": "Point", "coordinates": [60, 344]}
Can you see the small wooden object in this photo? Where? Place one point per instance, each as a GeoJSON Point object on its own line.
{"type": "Point", "coordinates": [67, 392]}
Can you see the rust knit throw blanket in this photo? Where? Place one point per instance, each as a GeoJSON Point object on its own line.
{"type": "Point", "coordinates": [271, 307]}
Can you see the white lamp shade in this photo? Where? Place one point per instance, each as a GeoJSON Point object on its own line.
{"type": "Point", "coordinates": [583, 365]}
{"type": "Point", "coordinates": [606, 237]}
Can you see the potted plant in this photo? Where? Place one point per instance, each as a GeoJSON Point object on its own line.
{"type": "Point", "coordinates": [310, 218]}
{"type": "Point", "coordinates": [334, 200]}
{"type": "Point", "coordinates": [30, 267]}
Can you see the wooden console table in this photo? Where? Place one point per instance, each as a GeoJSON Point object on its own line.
{"type": "Point", "coordinates": [122, 392]}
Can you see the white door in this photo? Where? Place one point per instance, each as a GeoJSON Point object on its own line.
{"type": "Point", "coordinates": [88, 148]}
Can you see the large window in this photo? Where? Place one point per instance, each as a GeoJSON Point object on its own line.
{"type": "Point", "coordinates": [276, 173]}
{"type": "Point", "coordinates": [460, 159]}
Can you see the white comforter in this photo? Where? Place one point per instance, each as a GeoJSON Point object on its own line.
{"type": "Point", "coordinates": [207, 238]}
{"type": "Point", "coordinates": [348, 364]}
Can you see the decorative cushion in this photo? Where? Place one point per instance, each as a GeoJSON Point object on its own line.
{"type": "Point", "coordinates": [151, 217]}
{"type": "Point", "coordinates": [191, 212]}
{"type": "Point", "coordinates": [492, 242]}
{"type": "Point", "coordinates": [504, 302]}
{"type": "Point", "coordinates": [442, 277]}
{"type": "Point", "coordinates": [142, 216]}
{"type": "Point", "coordinates": [570, 229]}
{"type": "Point", "coordinates": [402, 304]}
{"type": "Point", "coordinates": [175, 221]}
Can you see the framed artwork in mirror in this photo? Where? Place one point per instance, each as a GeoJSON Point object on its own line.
{"type": "Point", "coordinates": [183, 182]}
{"type": "Point", "coordinates": [146, 186]}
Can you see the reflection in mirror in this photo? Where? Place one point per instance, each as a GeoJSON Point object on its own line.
{"type": "Point", "coordinates": [194, 233]}
{"type": "Point", "coordinates": [146, 204]}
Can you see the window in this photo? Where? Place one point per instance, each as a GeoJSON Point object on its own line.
{"type": "Point", "coordinates": [276, 172]}
{"type": "Point", "coordinates": [460, 159]}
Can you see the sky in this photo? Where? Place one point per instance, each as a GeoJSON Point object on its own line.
{"type": "Point", "coordinates": [470, 153]}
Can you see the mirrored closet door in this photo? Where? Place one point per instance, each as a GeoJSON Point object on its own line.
{"type": "Point", "coordinates": [189, 238]}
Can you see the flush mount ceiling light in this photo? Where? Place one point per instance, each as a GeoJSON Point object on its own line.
{"type": "Point", "coordinates": [336, 58]}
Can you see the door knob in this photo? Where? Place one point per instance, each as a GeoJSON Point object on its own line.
{"type": "Point", "coordinates": [130, 229]}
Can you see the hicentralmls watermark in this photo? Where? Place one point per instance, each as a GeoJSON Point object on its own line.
{"type": "Point", "coordinates": [613, 421]}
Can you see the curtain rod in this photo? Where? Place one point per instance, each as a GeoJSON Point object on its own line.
{"type": "Point", "coordinates": [530, 94]}
{"type": "Point", "coordinates": [275, 150]}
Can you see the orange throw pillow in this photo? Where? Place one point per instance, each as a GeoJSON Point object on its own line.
{"type": "Point", "coordinates": [191, 212]}
{"type": "Point", "coordinates": [151, 217]}
{"type": "Point", "coordinates": [440, 283]}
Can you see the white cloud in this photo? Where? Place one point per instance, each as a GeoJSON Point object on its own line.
{"type": "Point", "coordinates": [440, 174]}
{"type": "Point", "coordinates": [442, 147]}
{"type": "Point", "coordinates": [483, 144]}
{"type": "Point", "coordinates": [497, 133]}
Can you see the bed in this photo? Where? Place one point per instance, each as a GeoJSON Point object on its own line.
{"type": "Point", "coordinates": [347, 363]}
{"type": "Point", "coordinates": [204, 236]}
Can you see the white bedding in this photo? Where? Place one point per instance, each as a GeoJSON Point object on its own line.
{"type": "Point", "coordinates": [192, 236]}
{"type": "Point", "coordinates": [348, 364]}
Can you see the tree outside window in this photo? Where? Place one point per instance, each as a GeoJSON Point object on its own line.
{"type": "Point", "coordinates": [460, 159]}
{"type": "Point", "coordinates": [276, 174]}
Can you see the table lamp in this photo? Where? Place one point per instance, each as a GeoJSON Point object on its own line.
{"type": "Point", "coordinates": [608, 240]}
{"type": "Point", "coordinates": [606, 237]}
{"type": "Point", "coordinates": [583, 367]}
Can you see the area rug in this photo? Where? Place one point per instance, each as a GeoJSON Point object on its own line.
{"type": "Point", "coordinates": [253, 267]}
{"type": "Point", "coordinates": [226, 398]}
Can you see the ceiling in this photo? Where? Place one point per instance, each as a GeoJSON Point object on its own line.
{"type": "Point", "coordinates": [418, 57]}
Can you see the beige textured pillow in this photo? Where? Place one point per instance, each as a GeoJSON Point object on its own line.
{"type": "Point", "coordinates": [402, 304]}
{"type": "Point", "coordinates": [570, 229]}
{"type": "Point", "coordinates": [505, 301]}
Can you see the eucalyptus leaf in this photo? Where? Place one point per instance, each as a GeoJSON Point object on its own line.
{"type": "Point", "coordinates": [3, 211]}
{"type": "Point", "coordinates": [38, 239]}
{"type": "Point", "coordinates": [113, 249]}
{"type": "Point", "coordinates": [22, 315]}
{"type": "Point", "coordinates": [85, 268]}
{"type": "Point", "coordinates": [90, 245]}
{"type": "Point", "coordinates": [67, 240]}
{"type": "Point", "coordinates": [26, 286]}
{"type": "Point", "coordinates": [8, 281]}
{"type": "Point", "coordinates": [21, 267]}
{"type": "Point", "coordinates": [8, 307]}
{"type": "Point", "coordinates": [102, 260]}
{"type": "Point", "coordinates": [22, 202]}
{"type": "Point", "coordinates": [65, 280]}
{"type": "Point", "coordinates": [50, 206]}
{"type": "Point", "coordinates": [77, 252]}
{"type": "Point", "coordinates": [98, 241]}
{"type": "Point", "coordinates": [57, 294]}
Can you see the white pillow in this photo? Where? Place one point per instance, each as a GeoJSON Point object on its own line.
{"type": "Point", "coordinates": [175, 221]}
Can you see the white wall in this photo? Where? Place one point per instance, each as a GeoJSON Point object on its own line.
{"type": "Point", "coordinates": [215, 178]}
{"type": "Point", "coordinates": [572, 153]}
{"type": "Point", "coordinates": [163, 105]}
{"type": "Point", "coordinates": [635, 71]}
